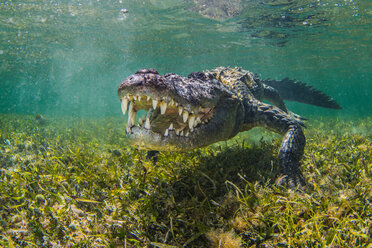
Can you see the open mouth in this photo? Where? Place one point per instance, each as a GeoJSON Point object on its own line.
{"type": "Point", "coordinates": [164, 115]}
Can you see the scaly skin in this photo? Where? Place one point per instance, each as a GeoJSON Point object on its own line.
{"type": "Point", "coordinates": [184, 113]}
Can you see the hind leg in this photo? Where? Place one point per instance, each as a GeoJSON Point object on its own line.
{"type": "Point", "coordinates": [273, 96]}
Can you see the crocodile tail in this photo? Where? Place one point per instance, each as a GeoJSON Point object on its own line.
{"type": "Point", "coordinates": [298, 91]}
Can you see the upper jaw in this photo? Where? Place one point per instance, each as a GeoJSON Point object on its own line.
{"type": "Point", "coordinates": [189, 92]}
{"type": "Point", "coordinates": [145, 82]}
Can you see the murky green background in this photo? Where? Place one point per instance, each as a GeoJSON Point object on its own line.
{"type": "Point", "coordinates": [68, 57]}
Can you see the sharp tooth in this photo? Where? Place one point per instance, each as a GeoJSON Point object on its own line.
{"type": "Point", "coordinates": [171, 102]}
{"type": "Point", "coordinates": [185, 116]}
{"type": "Point", "coordinates": [166, 132]}
{"type": "Point", "coordinates": [124, 105]}
{"type": "Point", "coordinates": [171, 126]}
{"type": "Point", "coordinates": [176, 103]}
{"type": "Point", "coordinates": [140, 121]}
{"type": "Point", "coordinates": [131, 115]}
{"type": "Point", "coordinates": [135, 98]}
{"type": "Point", "coordinates": [130, 107]}
{"type": "Point", "coordinates": [130, 97]}
{"type": "Point", "coordinates": [181, 134]}
{"type": "Point", "coordinates": [154, 104]}
{"type": "Point", "coordinates": [197, 121]}
{"type": "Point", "coordinates": [130, 111]}
{"type": "Point", "coordinates": [163, 107]}
{"type": "Point", "coordinates": [187, 134]}
{"type": "Point", "coordinates": [191, 121]}
{"type": "Point", "coordinates": [180, 110]}
{"type": "Point", "coordinates": [177, 131]}
{"type": "Point", "coordinates": [148, 98]}
{"type": "Point", "coordinates": [128, 130]}
{"type": "Point", "coordinates": [139, 98]}
{"type": "Point", "coordinates": [147, 123]}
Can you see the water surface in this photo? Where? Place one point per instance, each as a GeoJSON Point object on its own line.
{"type": "Point", "coordinates": [68, 57]}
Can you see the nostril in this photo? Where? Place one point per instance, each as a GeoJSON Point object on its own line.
{"type": "Point", "coordinates": [145, 71]}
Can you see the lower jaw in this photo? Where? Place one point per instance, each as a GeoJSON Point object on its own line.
{"type": "Point", "coordinates": [146, 140]}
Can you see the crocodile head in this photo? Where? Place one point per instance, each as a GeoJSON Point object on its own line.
{"type": "Point", "coordinates": [182, 113]}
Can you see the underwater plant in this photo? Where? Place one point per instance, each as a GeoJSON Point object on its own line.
{"type": "Point", "coordinates": [77, 183]}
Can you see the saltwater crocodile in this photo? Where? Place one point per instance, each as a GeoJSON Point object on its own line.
{"type": "Point", "coordinates": [183, 113]}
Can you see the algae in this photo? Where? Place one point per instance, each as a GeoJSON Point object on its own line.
{"type": "Point", "coordinates": [76, 183]}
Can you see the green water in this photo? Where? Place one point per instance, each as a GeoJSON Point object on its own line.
{"type": "Point", "coordinates": [68, 57]}
{"type": "Point", "coordinates": [67, 181]}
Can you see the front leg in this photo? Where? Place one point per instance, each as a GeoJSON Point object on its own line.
{"type": "Point", "coordinates": [293, 143]}
{"type": "Point", "coordinates": [290, 153]}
